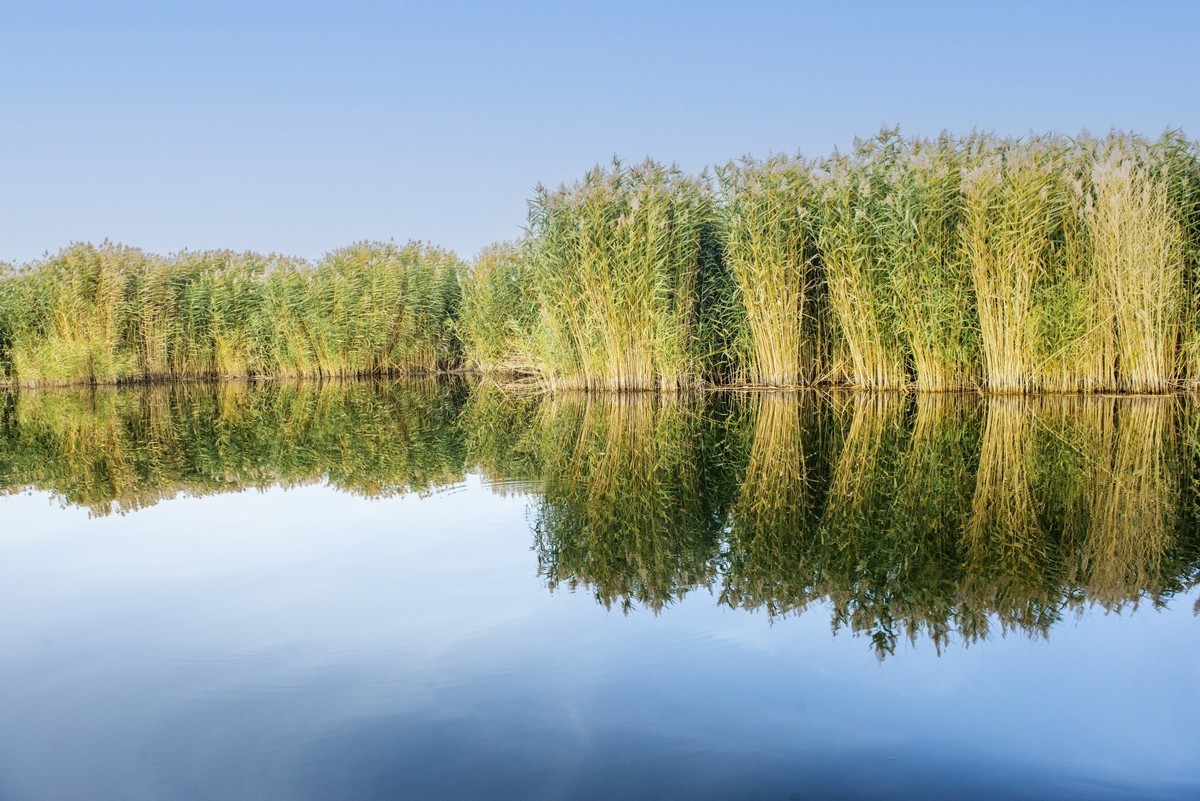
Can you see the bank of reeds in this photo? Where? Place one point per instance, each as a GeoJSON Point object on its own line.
{"type": "Point", "coordinates": [103, 314]}
{"type": "Point", "coordinates": [1043, 264]}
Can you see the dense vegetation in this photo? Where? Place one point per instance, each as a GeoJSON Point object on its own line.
{"type": "Point", "coordinates": [106, 314]}
{"type": "Point", "coordinates": [1046, 264]}
{"type": "Point", "coordinates": [932, 515]}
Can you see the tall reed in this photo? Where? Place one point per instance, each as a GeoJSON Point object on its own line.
{"type": "Point", "coordinates": [770, 228]}
{"type": "Point", "coordinates": [1044, 264]}
{"type": "Point", "coordinates": [1013, 210]}
{"type": "Point", "coordinates": [617, 274]}
{"type": "Point", "coordinates": [68, 316]}
{"type": "Point", "coordinates": [857, 270]}
{"type": "Point", "coordinates": [1137, 252]}
{"type": "Point", "coordinates": [498, 312]}
{"type": "Point", "coordinates": [919, 224]}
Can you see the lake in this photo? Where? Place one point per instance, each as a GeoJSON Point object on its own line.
{"type": "Point", "coordinates": [449, 590]}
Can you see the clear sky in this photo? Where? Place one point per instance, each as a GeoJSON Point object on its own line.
{"type": "Point", "coordinates": [299, 127]}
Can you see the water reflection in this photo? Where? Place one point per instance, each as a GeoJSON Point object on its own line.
{"type": "Point", "coordinates": [938, 517]}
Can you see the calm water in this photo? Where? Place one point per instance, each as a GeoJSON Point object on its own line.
{"type": "Point", "coordinates": [433, 591]}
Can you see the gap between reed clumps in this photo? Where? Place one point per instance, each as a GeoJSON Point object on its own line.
{"type": "Point", "coordinates": [1042, 264]}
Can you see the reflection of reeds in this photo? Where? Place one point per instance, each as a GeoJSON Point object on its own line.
{"type": "Point", "coordinates": [933, 504]}
{"type": "Point", "coordinates": [625, 510]}
{"type": "Point", "coordinates": [112, 450]}
{"type": "Point", "coordinates": [502, 439]}
{"type": "Point", "coordinates": [858, 514]}
{"type": "Point", "coordinates": [778, 507]}
{"type": "Point", "coordinates": [1133, 505]}
{"type": "Point", "coordinates": [1008, 566]}
{"type": "Point", "coordinates": [910, 517]}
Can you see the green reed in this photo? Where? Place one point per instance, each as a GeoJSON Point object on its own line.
{"type": "Point", "coordinates": [498, 313]}
{"type": "Point", "coordinates": [770, 230]}
{"type": "Point", "coordinates": [616, 274]}
{"type": "Point", "coordinates": [1043, 264]}
{"type": "Point", "coordinates": [107, 314]}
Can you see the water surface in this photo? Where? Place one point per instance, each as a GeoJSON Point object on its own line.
{"type": "Point", "coordinates": [424, 590]}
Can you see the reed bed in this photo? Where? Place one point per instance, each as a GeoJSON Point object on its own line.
{"type": "Point", "coordinates": [770, 231]}
{"type": "Point", "coordinates": [103, 314]}
{"type": "Point", "coordinates": [1047, 264]}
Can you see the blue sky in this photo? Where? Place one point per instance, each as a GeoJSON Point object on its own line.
{"type": "Point", "coordinates": [300, 127]}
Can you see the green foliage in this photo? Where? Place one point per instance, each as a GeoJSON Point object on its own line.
{"type": "Point", "coordinates": [1044, 264]}
{"type": "Point", "coordinates": [107, 314]}
{"type": "Point", "coordinates": [770, 231]}
{"type": "Point", "coordinates": [616, 274]}
{"type": "Point", "coordinates": [498, 313]}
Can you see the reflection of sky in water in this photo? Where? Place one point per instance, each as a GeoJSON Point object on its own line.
{"type": "Point", "coordinates": [311, 644]}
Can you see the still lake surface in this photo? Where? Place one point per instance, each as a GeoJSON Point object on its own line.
{"type": "Point", "coordinates": [429, 590]}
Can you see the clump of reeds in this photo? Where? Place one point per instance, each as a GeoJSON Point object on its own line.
{"type": "Point", "coordinates": [1077, 264]}
{"type": "Point", "coordinates": [220, 329]}
{"type": "Point", "coordinates": [770, 227]}
{"type": "Point", "coordinates": [1015, 203]}
{"type": "Point", "coordinates": [919, 221]}
{"type": "Point", "coordinates": [374, 308]}
{"type": "Point", "coordinates": [107, 314]}
{"type": "Point", "coordinates": [857, 270]}
{"type": "Point", "coordinates": [1136, 248]}
{"type": "Point", "coordinates": [499, 310]}
{"type": "Point", "coordinates": [67, 316]}
{"type": "Point", "coordinates": [617, 277]}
